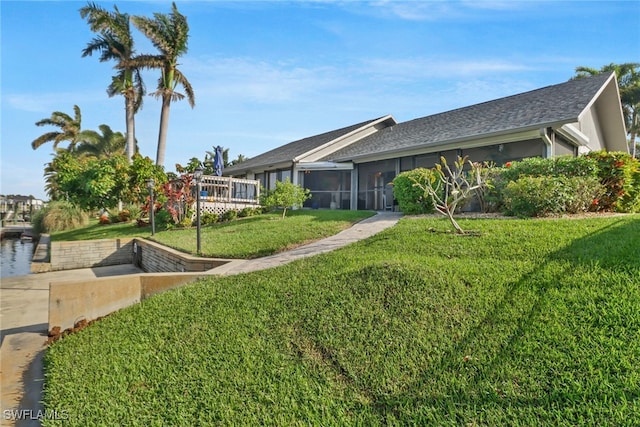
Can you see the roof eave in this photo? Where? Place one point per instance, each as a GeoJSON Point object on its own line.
{"type": "Point", "coordinates": [500, 137]}
{"type": "Point", "coordinates": [345, 137]}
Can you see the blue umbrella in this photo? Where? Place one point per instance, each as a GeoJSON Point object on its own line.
{"type": "Point", "coordinates": [218, 163]}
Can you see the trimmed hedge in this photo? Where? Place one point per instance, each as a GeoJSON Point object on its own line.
{"type": "Point", "coordinates": [620, 174]}
{"type": "Point", "coordinates": [551, 195]}
{"type": "Point", "coordinates": [411, 198]}
{"type": "Point", "coordinates": [566, 185]}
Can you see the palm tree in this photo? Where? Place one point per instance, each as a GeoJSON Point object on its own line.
{"type": "Point", "coordinates": [241, 158]}
{"type": "Point", "coordinates": [115, 43]}
{"type": "Point", "coordinates": [104, 145]}
{"type": "Point", "coordinates": [628, 76]}
{"type": "Point", "coordinates": [169, 34]}
{"type": "Point", "coordinates": [69, 129]}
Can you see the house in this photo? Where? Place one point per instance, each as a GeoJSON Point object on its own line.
{"type": "Point", "coordinates": [351, 167]}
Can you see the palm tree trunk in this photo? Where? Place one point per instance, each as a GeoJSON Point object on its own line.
{"type": "Point", "coordinates": [131, 133]}
{"type": "Point", "coordinates": [164, 125]}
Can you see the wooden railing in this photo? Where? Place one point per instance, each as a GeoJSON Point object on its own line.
{"type": "Point", "coordinates": [223, 189]}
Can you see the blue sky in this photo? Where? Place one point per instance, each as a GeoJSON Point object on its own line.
{"type": "Point", "coordinates": [267, 73]}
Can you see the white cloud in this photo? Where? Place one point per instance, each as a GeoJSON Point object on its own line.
{"type": "Point", "coordinates": [46, 103]}
{"type": "Point", "coordinates": [426, 68]}
{"type": "Point", "coordinates": [244, 79]}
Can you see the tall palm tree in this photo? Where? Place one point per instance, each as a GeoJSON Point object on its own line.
{"type": "Point", "coordinates": [169, 34]}
{"type": "Point", "coordinates": [104, 145]}
{"type": "Point", "coordinates": [69, 129]}
{"type": "Point", "coordinates": [628, 76]}
{"type": "Point", "coordinates": [115, 43]}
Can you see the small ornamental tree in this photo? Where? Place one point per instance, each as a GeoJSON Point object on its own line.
{"type": "Point", "coordinates": [449, 187]}
{"type": "Point", "coordinates": [286, 195]}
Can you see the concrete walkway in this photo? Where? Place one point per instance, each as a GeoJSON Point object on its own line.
{"type": "Point", "coordinates": [24, 306]}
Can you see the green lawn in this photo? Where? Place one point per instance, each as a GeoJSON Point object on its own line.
{"type": "Point", "coordinates": [243, 238]}
{"type": "Point", "coordinates": [527, 323]}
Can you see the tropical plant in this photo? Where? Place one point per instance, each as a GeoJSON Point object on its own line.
{"type": "Point", "coordinates": [241, 158]}
{"type": "Point", "coordinates": [104, 145]}
{"type": "Point", "coordinates": [628, 76]}
{"type": "Point", "coordinates": [70, 129]}
{"type": "Point", "coordinates": [169, 34]}
{"type": "Point", "coordinates": [620, 175]}
{"type": "Point", "coordinates": [59, 216]}
{"type": "Point", "coordinates": [448, 187]}
{"type": "Point", "coordinates": [91, 183]}
{"type": "Point", "coordinates": [115, 43]}
{"type": "Point", "coordinates": [286, 195]}
{"type": "Point", "coordinates": [140, 171]}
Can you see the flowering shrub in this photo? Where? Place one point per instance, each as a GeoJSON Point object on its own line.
{"type": "Point", "coordinates": [104, 218]}
{"type": "Point", "coordinates": [124, 215]}
{"type": "Point", "coordinates": [620, 175]}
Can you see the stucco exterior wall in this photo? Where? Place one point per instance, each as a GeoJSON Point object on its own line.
{"type": "Point", "coordinates": [589, 126]}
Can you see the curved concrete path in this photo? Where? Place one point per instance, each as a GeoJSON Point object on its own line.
{"type": "Point", "coordinates": [24, 306]}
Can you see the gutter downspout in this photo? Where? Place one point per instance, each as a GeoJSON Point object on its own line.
{"type": "Point", "coordinates": [548, 143]}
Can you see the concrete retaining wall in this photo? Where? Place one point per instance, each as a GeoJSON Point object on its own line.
{"type": "Point", "coordinates": [90, 253]}
{"type": "Point", "coordinates": [70, 302]}
{"type": "Point", "coordinates": [155, 258]}
{"type": "Point", "coordinates": [149, 256]}
{"type": "Point", "coordinates": [40, 263]}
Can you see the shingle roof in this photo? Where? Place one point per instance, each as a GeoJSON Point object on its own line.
{"type": "Point", "coordinates": [561, 103]}
{"type": "Point", "coordinates": [287, 152]}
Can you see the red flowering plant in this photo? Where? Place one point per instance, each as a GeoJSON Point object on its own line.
{"type": "Point", "coordinates": [179, 197]}
{"type": "Point", "coordinates": [620, 175]}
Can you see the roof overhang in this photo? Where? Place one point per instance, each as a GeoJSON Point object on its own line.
{"type": "Point", "coordinates": [451, 144]}
{"type": "Point", "coordinates": [607, 107]}
{"type": "Point", "coordinates": [345, 140]}
{"type": "Point", "coordinates": [572, 133]}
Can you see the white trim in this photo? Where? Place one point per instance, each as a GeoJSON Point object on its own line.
{"type": "Point", "coordinates": [323, 166]}
{"type": "Point", "coordinates": [571, 132]}
{"type": "Point", "coordinates": [344, 140]}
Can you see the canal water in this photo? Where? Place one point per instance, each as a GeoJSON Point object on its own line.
{"type": "Point", "coordinates": [15, 257]}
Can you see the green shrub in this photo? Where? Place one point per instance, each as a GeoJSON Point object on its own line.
{"type": "Point", "coordinates": [247, 212]}
{"type": "Point", "coordinates": [209, 218]}
{"type": "Point", "coordinates": [557, 166]}
{"type": "Point", "coordinates": [229, 215]}
{"type": "Point", "coordinates": [412, 199]}
{"type": "Point", "coordinates": [549, 195]}
{"type": "Point", "coordinates": [59, 216]}
{"type": "Point", "coordinates": [135, 211]}
{"type": "Point", "coordinates": [164, 220]}
{"type": "Point", "coordinates": [620, 175]}
{"type": "Point", "coordinates": [564, 166]}
{"type": "Point", "coordinates": [186, 222]}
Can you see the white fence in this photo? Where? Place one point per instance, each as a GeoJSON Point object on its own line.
{"type": "Point", "coordinates": [219, 194]}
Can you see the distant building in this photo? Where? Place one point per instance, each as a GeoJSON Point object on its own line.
{"type": "Point", "coordinates": [18, 207]}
